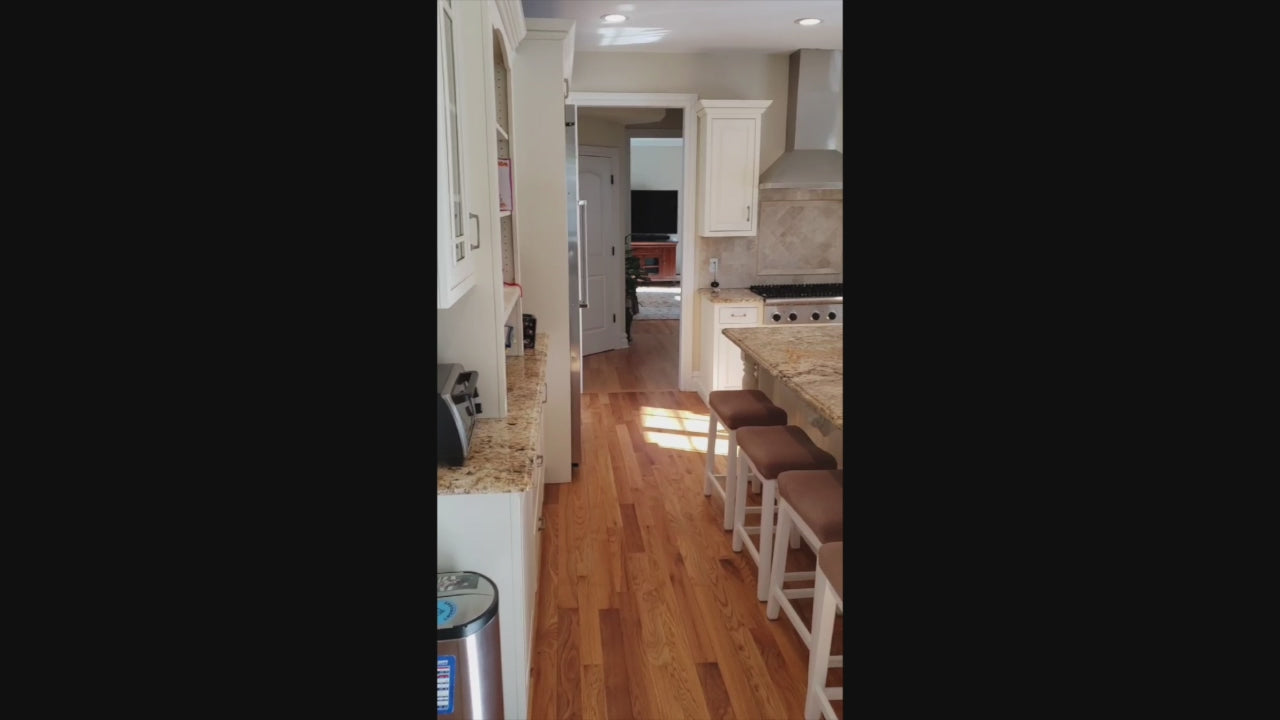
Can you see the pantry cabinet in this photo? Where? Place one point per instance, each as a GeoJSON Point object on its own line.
{"type": "Point", "coordinates": [729, 166]}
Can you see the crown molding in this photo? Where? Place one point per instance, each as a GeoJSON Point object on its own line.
{"type": "Point", "coordinates": [554, 29]}
{"type": "Point", "coordinates": [511, 22]}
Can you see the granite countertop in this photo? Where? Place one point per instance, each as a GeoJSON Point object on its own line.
{"type": "Point", "coordinates": [502, 451]}
{"type": "Point", "coordinates": [731, 295]}
{"type": "Point", "coordinates": [809, 359]}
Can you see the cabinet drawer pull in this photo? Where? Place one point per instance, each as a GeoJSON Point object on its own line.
{"type": "Point", "coordinates": [737, 314]}
{"type": "Point", "coordinates": [539, 522]}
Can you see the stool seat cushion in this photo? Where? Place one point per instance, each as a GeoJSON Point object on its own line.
{"type": "Point", "coordinates": [831, 563]}
{"type": "Point", "coordinates": [817, 496]}
{"type": "Point", "coordinates": [779, 448]}
{"type": "Point", "coordinates": [745, 408]}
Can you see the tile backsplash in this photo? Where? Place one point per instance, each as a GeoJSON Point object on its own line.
{"type": "Point", "coordinates": [800, 240]}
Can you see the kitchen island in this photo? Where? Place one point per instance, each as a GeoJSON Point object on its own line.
{"type": "Point", "coordinates": [801, 369]}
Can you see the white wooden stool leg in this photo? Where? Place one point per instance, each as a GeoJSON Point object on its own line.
{"type": "Point", "coordinates": [740, 503]}
{"type": "Point", "coordinates": [711, 453]}
{"type": "Point", "coordinates": [731, 481]}
{"type": "Point", "coordinates": [824, 618]}
{"type": "Point", "coordinates": [779, 567]}
{"type": "Point", "coordinates": [766, 539]}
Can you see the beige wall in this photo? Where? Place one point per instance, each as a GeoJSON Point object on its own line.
{"type": "Point", "coordinates": [726, 76]}
{"type": "Point", "coordinates": [602, 133]}
{"type": "Point", "coordinates": [721, 76]}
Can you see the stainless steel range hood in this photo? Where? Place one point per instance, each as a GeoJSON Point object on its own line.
{"type": "Point", "coordinates": [814, 117]}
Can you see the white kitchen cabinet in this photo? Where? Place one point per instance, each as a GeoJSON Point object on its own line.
{"type": "Point", "coordinates": [457, 227]}
{"type": "Point", "coordinates": [721, 360]}
{"type": "Point", "coordinates": [729, 166]}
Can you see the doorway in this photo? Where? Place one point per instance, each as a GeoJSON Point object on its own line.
{"type": "Point", "coordinates": [658, 355]}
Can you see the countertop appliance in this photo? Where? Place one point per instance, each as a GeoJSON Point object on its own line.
{"type": "Point", "coordinates": [801, 304]}
{"type": "Point", "coordinates": [457, 402]}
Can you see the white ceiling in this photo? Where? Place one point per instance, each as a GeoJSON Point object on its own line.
{"type": "Point", "coordinates": [698, 26]}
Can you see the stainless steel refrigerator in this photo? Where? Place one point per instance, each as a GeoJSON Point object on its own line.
{"type": "Point", "coordinates": [577, 275]}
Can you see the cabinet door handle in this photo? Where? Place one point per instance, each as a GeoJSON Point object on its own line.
{"type": "Point", "coordinates": [477, 219]}
{"type": "Point", "coordinates": [544, 393]}
{"type": "Point", "coordinates": [748, 213]}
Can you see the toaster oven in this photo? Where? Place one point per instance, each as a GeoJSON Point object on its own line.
{"type": "Point", "coordinates": [457, 402]}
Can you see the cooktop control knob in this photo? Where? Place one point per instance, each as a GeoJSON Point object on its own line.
{"type": "Point", "coordinates": [816, 315]}
{"type": "Point", "coordinates": [791, 317]}
{"type": "Point", "coordinates": [831, 316]}
{"type": "Point", "coordinates": [777, 317]}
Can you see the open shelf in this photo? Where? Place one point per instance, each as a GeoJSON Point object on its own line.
{"type": "Point", "coordinates": [504, 213]}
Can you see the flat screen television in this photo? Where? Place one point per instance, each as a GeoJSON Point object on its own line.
{"type": "Point", "coordinates": [654, 212]}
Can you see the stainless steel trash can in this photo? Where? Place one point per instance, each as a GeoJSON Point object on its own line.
{"type": "Point", "coordinates": [468, 656]}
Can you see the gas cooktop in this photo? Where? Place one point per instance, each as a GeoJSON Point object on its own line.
{"type": "Point", "coordinates": [802, 304]}
{"type": "Point", "coordinates": [829, 291]}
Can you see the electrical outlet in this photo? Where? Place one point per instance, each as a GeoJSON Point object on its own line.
{"type": "Point", "coordinates": [715, 264]}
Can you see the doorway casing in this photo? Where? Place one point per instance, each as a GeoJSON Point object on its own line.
{"type": "Point", "coordinates": [688, 196]}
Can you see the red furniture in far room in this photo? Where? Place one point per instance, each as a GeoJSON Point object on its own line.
{"type": "Point", "coordinates": [664, 252]}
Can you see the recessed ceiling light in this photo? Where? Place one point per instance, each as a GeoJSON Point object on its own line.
{"type": "Point", "coordinates": [808, 21]}
{"type": "Point", "coordinates": [613, 18]}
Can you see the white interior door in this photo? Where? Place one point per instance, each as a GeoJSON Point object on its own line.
{"type": "Point", "coordinates": [603, 248]}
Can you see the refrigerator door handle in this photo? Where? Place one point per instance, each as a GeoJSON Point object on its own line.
{"type": "Point", "coordinates": [582, 256]}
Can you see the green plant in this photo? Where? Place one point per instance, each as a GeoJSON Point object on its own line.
{"type": "Point", "coordinates": [635, 273]}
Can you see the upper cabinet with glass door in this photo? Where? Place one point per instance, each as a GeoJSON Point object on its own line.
{"type": "Point", "coordinates": [457, 224]}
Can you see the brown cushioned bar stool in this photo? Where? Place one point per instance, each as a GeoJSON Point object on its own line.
{"type": "Point", "coordinates": [810, 504]}
{"type": "Point", "coordinates": [767, 452]}
{"type": "Point", "coordinates": [828, 595]}
{"type": "Point", "coordinates": [734, 409]}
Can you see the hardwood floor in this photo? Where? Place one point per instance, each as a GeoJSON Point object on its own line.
{"type": "Point", "coordinates": [644, 610]}
{"type": "Point", "coordinates": [649, 364]}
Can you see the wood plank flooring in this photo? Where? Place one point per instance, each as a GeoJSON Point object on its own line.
{"type": "Point", "coordinates": [649, 364]}
{"type": "Point", "coordinates": [644, 610]}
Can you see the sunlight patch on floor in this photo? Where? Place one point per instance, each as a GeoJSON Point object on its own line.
{"type": "Point", "coordinates": [673, 441]}
{"type": "Point", "coordinates": [666, 419]}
